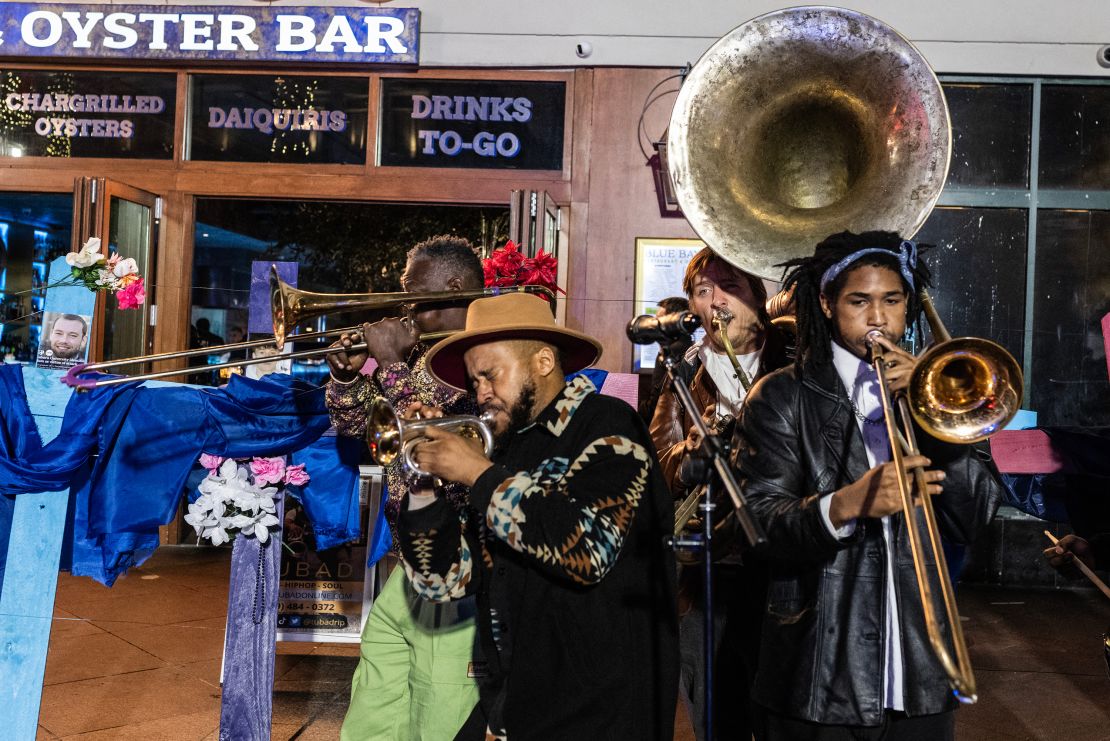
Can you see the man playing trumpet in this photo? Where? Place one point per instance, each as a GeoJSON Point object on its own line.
{"type": "Point", "coordinates": [844, 652]}
{"type": "Point", "coordinates": [562, 541]}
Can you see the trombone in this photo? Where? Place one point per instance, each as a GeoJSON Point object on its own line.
{"type": "Point", "coordinates": [290, 306]}
{"type": "Point", "coordinates": [961, 390]}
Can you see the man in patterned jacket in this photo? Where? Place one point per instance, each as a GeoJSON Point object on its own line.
{"type": "Point", "coordinates": [562, 541]}
{"type": "Point", "coordinates": [414, 678]}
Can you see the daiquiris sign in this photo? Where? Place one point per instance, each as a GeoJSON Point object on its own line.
{"type": "Point", "coordinates": [241, 33]}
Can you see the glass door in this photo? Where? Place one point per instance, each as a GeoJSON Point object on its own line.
{"type": "Point", "coordinates": [126, 220]}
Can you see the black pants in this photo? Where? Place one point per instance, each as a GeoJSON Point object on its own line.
{"type": "Point", "coordinates": [739, 593]}
{"type": "Point", "coordinates": [772, 726]}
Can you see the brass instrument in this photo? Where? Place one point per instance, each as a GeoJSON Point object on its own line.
{"type": "Point", "coordinates": [290, 306]}
{"type": "Point", "coordinates": [389, 436]}
{"type": "Point", "coordinates": [721, 319]}
{"type": "Point", "coordinates": [836, 122]}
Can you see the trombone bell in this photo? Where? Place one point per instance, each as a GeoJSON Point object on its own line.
{"type": "Point", "coordinates": [965, 390]}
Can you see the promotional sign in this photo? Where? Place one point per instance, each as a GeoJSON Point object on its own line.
{"type": "Point", "coordinates": [65, 340]}
{"type": "Point", "coordinates": [365, 35]}
{"type": "Point", "coordinates": [660, 265]}
{"type": "Point", "coordinates": [72, 113]}
{"type": "Point", "coordinates": [278, 118]}
{"type": "Point", "coordinates": [325, 596]}
{"type": "Point", "coordinates": [493, 124]}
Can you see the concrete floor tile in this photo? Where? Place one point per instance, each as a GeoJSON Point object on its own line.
{"type": "Point", "coordinates": [1037, 705]}
{"type": "Point", "coordinates": [160, 605]}
{"type": "Point", "coordinates": [89, 656]}
{"type": "Point", "coordinates": [44, 735]}
{"type": "Point", "coordinates": [126, 699]}
{"type": "Point", "coordinates": [287, 731]}
{"type": "Point", "coordinates": [68, 625]}
{"type": "Point", "coordinates": [207, 671]}
{"type": "Point", "coordinates": [191, 727]}
{"type": "Point", "coordinates": [336, 649]}
{"type": "Point", "coordinates": [179, 643]}
{"type": "Point", "coordinates": [325, 726]}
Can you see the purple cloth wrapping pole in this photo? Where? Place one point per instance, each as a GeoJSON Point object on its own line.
{"type": "Point", "coordinates": [246, 705]}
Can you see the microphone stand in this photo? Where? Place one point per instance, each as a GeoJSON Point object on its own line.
{"type": "Point", "coordinates": [716, 474]}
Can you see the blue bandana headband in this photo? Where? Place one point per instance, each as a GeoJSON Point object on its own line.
{"type": "Point", "coordinates": [907, 261]}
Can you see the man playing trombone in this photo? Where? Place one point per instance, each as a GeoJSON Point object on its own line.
{"type": "Point", "coordinates": [415, 678]}
{"type": "Point", "coordinates": [845, 654]}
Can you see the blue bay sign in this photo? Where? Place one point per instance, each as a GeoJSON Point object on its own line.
{"type": "Point", "coordinates": [233, 33]}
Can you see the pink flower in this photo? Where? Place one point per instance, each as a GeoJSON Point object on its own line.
{"type": "Point", "coordinates": [268, 470]}
{"type": "Point", "coordinates": [132, 296]}
{"type": "Point", "coordinates": [296, 475]}
{"type": "Point", "coordinates": [211, 462]}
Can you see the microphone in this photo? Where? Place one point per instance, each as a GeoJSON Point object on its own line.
{"type": "Point", "coordinates": [646, 329]}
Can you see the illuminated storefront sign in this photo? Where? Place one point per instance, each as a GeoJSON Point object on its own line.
{"type": "Point", "coordinates": [172, 32]}
{"type": "Point", "coordinates": [473, 123]}
{"type": "Point", "coordinates": [298, 119]}
{"type": "Point", "coordinates": [78, 113]}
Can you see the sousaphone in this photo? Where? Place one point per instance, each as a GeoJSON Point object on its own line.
{"type": "Point", "coordinates": [802, 123]}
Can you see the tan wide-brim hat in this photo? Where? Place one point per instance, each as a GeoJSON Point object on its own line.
{"type": "Point", "coordinates": [512, 316]}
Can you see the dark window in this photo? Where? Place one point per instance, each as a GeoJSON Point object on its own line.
{"type": "Point", "coordinates": [990, 135]}
{"type": "Point", "coordinates": [34, 230]}
{"type": "Point", "coordinates": [282, 118]}
{"type": "Point", "coordinates": [340, 248]}
{"type": "Point", "coordinates": [979, 272]}
{"type": "Point", "coordinates": [1075, 137]}
{"type": "Point", "coordinates": [65, 113]}
{"type": "Point", "coordinates": [1070, 382]}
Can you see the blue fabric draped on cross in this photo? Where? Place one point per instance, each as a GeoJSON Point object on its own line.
{"type": "Point", "coordinates": [149, 439]}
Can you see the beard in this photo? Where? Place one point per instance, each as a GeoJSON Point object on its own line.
{"type": "Point", "coordinates": [520, 415]}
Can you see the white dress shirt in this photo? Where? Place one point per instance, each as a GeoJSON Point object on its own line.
{"type": "Point", "coordinates": [730, 392]}
{"type": "Point", "coordinates": [861, 383]}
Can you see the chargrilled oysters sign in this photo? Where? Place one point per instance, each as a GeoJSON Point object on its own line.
{"type": "Point", "coordinates": [234, 33]}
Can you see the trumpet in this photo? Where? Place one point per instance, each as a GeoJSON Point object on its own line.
{"type": "Point", "coordinates": [289, 306]}
{"type": "Point", "coordinates": [389, 436]}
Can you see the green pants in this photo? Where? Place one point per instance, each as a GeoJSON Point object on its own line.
{"type": "Point", "coordinates": [413, 678]}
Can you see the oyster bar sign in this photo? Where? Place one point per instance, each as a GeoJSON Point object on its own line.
{"type": "Point", "coordinates": [241, 33]}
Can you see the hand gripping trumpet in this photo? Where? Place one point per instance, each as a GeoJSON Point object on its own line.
{"type": "Point", "coordinates": [389, 436]}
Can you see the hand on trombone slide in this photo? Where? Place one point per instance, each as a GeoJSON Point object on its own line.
{"type": "Point", "coordinates": [446, 454]}
{"type": "Point", "coordinates": [876, 493]}
{"type": "Point", "coordinates": [389, 341]}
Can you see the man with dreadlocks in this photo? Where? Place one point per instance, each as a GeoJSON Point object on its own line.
{"type": "Point", "coordinates": [844, 651]}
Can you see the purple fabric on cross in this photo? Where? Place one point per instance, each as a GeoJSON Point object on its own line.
{"type": "Point", "coordinates": [246, 706]}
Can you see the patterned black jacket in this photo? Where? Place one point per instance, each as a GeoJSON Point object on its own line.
{"type": "Point", "coordinates": [576, 597]}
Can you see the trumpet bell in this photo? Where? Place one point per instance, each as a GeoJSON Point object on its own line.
{"type": "Point", "coordinates": [383, 433]}
{"type": "Point", "coordinates": [965, 390]}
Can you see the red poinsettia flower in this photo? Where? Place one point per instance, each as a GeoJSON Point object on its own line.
{"type": "Point", "coordinates": [489, 273]}
{"type": "Point", "coordinates": [541, 270]}
{"type": "Point", "coordinates": [508, 259]}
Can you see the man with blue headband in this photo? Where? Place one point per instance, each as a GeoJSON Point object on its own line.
{"type": "Point", "coordinates": [844, 653]}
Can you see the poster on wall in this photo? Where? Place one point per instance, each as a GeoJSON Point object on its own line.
{"type": "Point", "coordinates": [325, 596]}
{"type": "Point", "coordinates": [75, 113]}
{"type": "Point", "coordinates": [309, 119]}
{"type": "Point", "coordinates": [660, 265]}
{"type": "Point", "coordinates": [490, 124]}
{"type": "Point", "coordinates": [65, 340]}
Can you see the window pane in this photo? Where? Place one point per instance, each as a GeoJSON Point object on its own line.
{"type": "Point", "coordinates": [990, 135]}
{"type": "Point", "coordinates": [979, 272]}
{"type": "Point", "coordinates": [282, 118]}
{"type": "Point", "coordinates": [1075, 137]}
{"type": "Point", "coordinates": [1070, 384]}
{"type": "Point", "coordinates": [34, 230]}
{"type": "Point", "coordinates": [340, 248]}
{"type": "Point", "coordinates": [71, 113]}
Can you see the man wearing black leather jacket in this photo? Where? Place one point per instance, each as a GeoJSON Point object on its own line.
{"type": "Point", "coordinates": [844, 651]}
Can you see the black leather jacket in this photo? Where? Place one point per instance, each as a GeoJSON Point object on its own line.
{"type": "Point", "coordinates": [821, 657]}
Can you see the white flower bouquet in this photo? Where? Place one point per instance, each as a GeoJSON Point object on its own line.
{"type": "Point", "coordinates": [238, 495]}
